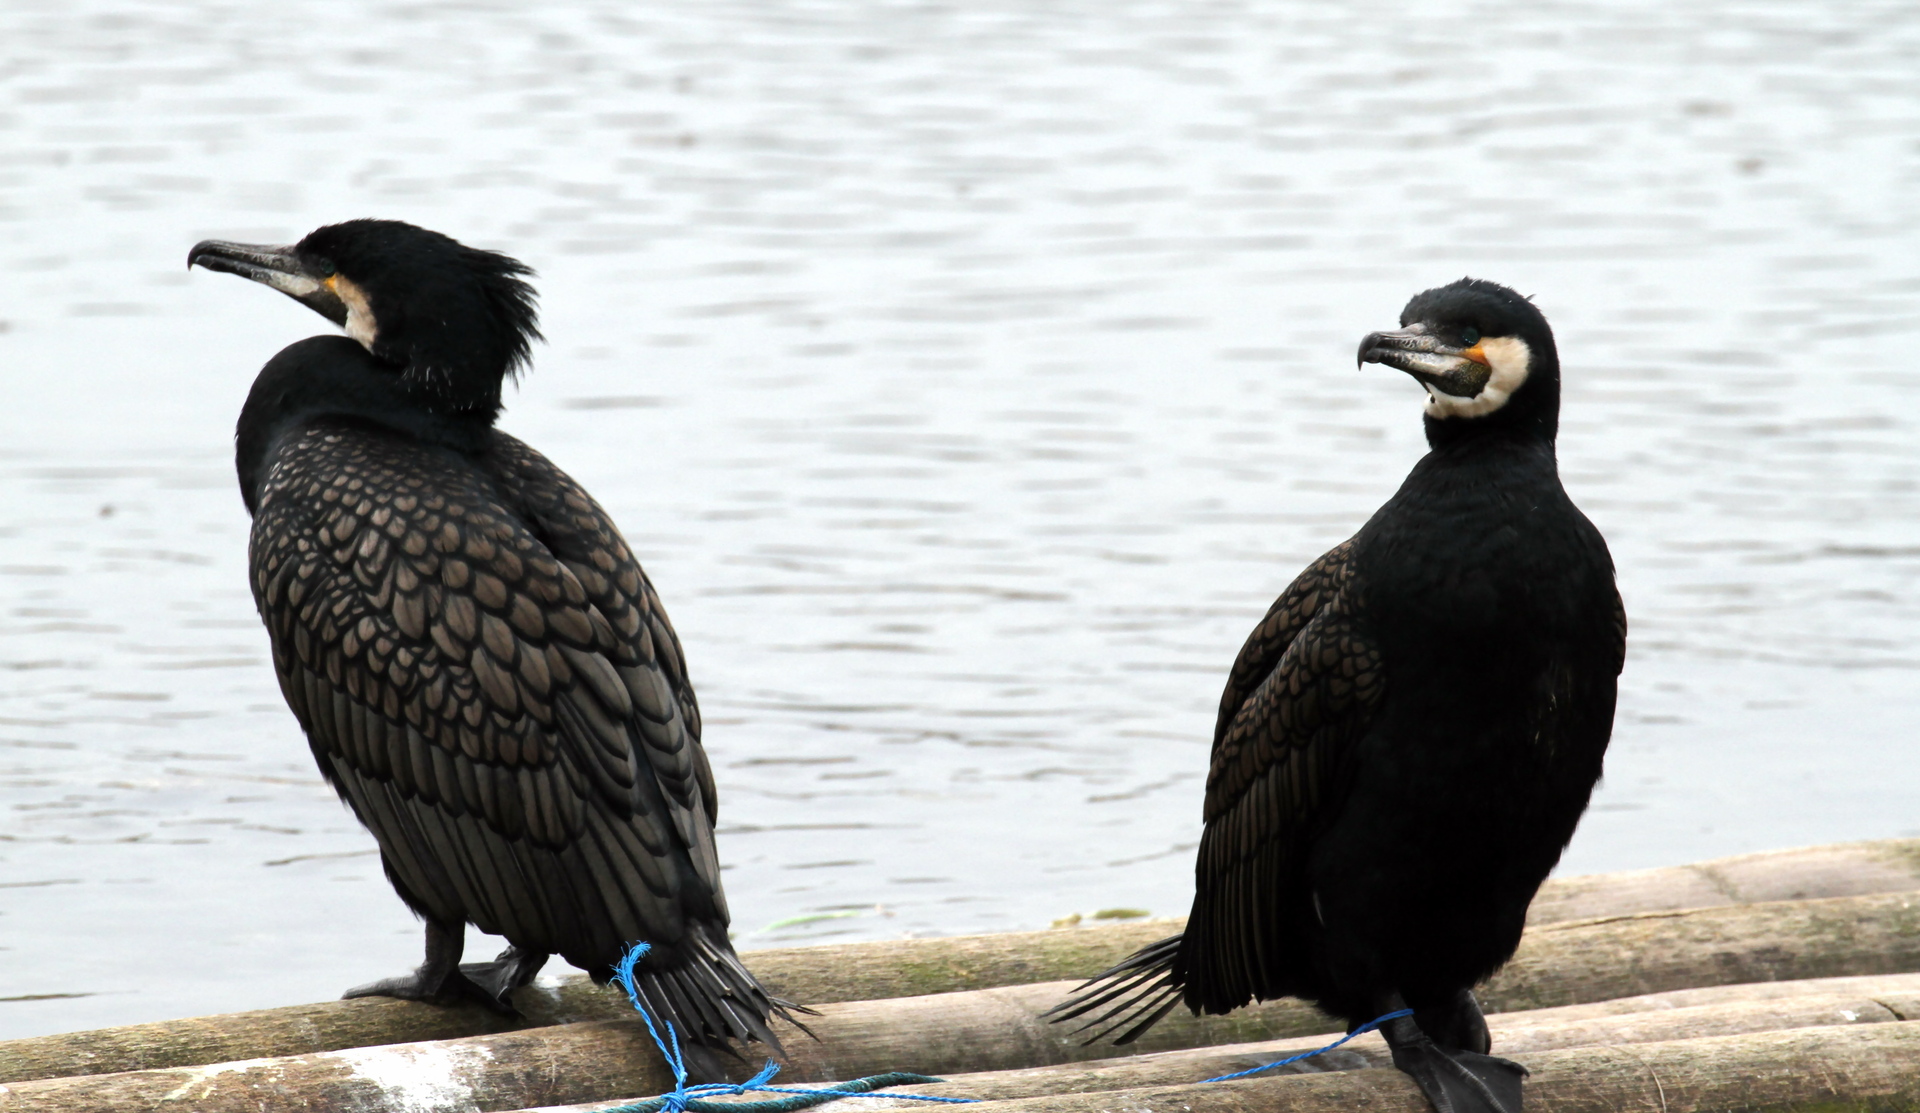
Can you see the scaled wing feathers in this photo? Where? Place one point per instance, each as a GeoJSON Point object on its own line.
{"type": "Point", "coordinates": [1303, 688]}
{"type": "Point", "coordinates": [488, 679]}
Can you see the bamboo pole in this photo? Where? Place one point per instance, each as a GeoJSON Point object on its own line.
{"type": "Point", "coordinates": [1000, 1029]}
{"type": "Point", "coordinates": [901, 968]}
{"type": "Point", "coordinates": [1853, 1067]}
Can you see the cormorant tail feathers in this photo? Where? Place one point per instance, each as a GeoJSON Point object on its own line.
{"type": "Point", "coordinates": [711, 999]}
{"type": "Point", "coordinates": [1135, 994]}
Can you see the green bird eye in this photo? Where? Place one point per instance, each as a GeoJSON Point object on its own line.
{"type": "Point", "coordinates": [1469, 336]}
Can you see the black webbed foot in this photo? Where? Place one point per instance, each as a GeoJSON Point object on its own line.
{"type": "Point", "coordinates": [1455, 1081]}
{"type": "Point", "coordinates": [509, 971]}
{"type": "Point", "coordinates": [434, 987]}
{"type": "Point", "coordinates": [439, 980]}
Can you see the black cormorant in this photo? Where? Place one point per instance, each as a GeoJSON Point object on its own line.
{"type": "Point", "coordinates": [484, 673]}
{"type": "Point", "coordinates": [1409, 737]}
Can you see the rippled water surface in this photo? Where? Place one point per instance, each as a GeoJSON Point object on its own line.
{"type": "Point", "coordinates": [969, 379]}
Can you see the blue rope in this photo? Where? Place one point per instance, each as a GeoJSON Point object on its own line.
{"type": "Point", "coordinates": [690, 1099]}
{"type": "Point", "coordinates": [1360, 1031]}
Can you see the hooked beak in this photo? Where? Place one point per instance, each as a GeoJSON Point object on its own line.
{"type": "Point", "coordinates": [277, 267]}
{"type": "Point", "coordinates": [1460, 372]}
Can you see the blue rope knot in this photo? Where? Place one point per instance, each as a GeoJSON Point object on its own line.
{"type": "Point", "coordinates": [1360, 1031]}
{"type": "Point", "coordinates": [692, 1099]}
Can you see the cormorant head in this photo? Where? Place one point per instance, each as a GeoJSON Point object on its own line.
{"type": "Point", "coordinates": [451, 320]}
{"type": "Point", "coordinates": [1484, 354]}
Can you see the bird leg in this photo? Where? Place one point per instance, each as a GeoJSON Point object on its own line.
{"type": "Point", "coordinates": [438, 980]}
{"type": "Point", "coordinates": [1456, 1024]}
{"type": "Point", "coordinates": [1454, 1080]}
{"type": "Point", "coordinates": [513, 968]}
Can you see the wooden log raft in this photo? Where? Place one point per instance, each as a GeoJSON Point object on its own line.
{"type": "Point", "coordinates": [1653, 1018]}
{"type": "Point", "coordinates": [998, 1029]}
{"type": "Point", "coordinates": [902, 968]}
{"type": "Point", "coordinates": [1855, 1067]}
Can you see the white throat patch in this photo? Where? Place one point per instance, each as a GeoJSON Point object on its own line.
{"type": "Point", "coordinates": [1510, 359]}
{"type": "Point", "coordinates": [360, 324]}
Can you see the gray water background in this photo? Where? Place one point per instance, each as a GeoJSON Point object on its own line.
{"type": "Point", "coordinates": [969, 378]}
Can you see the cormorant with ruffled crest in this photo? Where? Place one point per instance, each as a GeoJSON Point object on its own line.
{"type": "Point", "coordinates": [484, 673]}
{"type": "Point", "coordinates": [1410, 736]}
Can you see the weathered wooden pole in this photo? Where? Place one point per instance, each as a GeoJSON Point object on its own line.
{"type": "Point", "coordinates": [1648, 952]}
{"type": "Point", "coordinates": [999, 1029]}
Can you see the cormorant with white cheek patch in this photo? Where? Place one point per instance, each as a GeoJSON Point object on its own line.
{"type": "Point", "coordinates": [484, 673]}
{"type": "Point", "coordinates": [1410, 736]}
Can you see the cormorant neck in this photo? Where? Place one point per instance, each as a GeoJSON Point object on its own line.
{"type": "Point", "coordinates": [1533, 413]}
{"type": "Point", "coordinates": [435, 383]}
{"type": "Point", "coordinates": [333, 376]}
